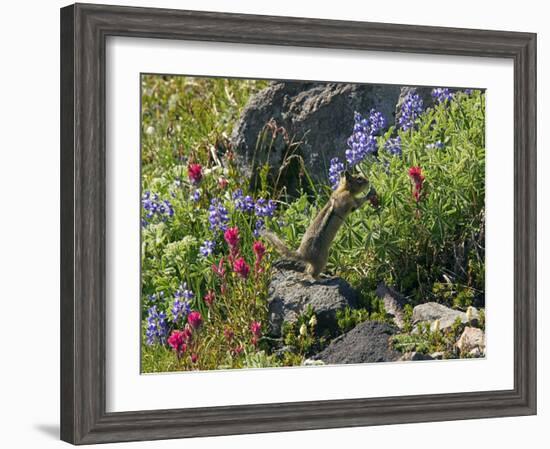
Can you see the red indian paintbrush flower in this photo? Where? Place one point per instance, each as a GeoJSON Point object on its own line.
{"type": "Point", "coordinates": [241, 268]}
{"type": "Point", "coordinates": [194, 319]}
{"type": "Point", "coordinates": [187, 334]}
{"type": "Point", "coordinates": [209, 298]}
{"type": "Point", "coordinates": [259, 249]}
{"type": "Point", "coordinates": [256, 328]}
{"type": "Point", "coordinates": [237, 350]}
{"type": "Point", "coordinates": [195, 173]}
{"type": "Point", "coordinates": [416, 174]}
{"type": "Point", "coordinates": [231, 236]}
{"type": "Point", "coordinates": [417, 177]}
{"type": "Point", "coordinates": [194, 358]}
{"type": "Point", "coordinates": [177, 340]}
{"type": "Point", "coordinates": [219, 269]}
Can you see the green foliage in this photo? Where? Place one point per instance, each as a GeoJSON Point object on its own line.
{"type": "Point", "coordinates": [370, 308]}
{"type": "Point", "coordinates": [455, 295]}
{"type": "Point", "coordinates": [348, 318]}
{"type": "Point", "coordinates": [260, 360]}
{"type": "Point", "coordinates": [301, 336]}
{"type": "Point", "coordinates": [412, 244]}
{"type": "Point", "coordinates": [407, 318]}
{"type": "Point", "coordinates": [427, 340]}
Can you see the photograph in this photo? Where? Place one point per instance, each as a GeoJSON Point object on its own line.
{"type": "Point", "coordinates": [291, 223]}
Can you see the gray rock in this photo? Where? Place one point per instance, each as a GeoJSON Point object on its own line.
{"type": "Point", "coordinates": [437, 355]}
{"type": "Point", "coordinates": [471, 341]}
{"type": "Point", "coordinates": [366, 343]}
{"type": "Point", "coordinates": [476, 353]}
{"type": "Point", "coordinates": [413, 356]}
{"type": "Point", "coordinates": [291, 292]}
{"type": "Point", "coordinates": [283, 350]}
{"type": "Point", "coordinates": [319, 115]}
{"type": "Point", "coordinates": [393, 303]}
{"type": "Point", "coordinates": [433, 311]}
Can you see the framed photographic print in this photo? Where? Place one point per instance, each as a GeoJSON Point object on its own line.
{"type": "Point", "coordinates": [268, 223]}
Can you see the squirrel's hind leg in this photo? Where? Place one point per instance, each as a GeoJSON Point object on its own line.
{"type": "Point", "coordinates": [314, 271]}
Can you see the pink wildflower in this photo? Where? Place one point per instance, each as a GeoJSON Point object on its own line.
{"type": "Point", "coordinates": [209, 298]}
{"type": "Point", "coordinates": [241, 268]}
{"type": "Point", "coordinates": [219, 269]}
{"type": "Point", "coordinates": [177, 341]}
{"type": "Point", "coordinates": [417, 177]}
{"type": "Point", "coordinates": [195, 173]}
{"type": "Point", "coordinates": [256, 328]}
{"type": "Point", "coordinates": [194, 319]}
{"type": "Point", "coordinates": [259, 249]}
{"type": "Point", "coordinates": [231, 236]}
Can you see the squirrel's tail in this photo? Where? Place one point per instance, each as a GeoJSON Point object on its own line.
{"type": "Point", "coordinates": [280, 246]}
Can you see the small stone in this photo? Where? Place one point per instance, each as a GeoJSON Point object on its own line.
{"type": "Point", "coordinates": [437, 355]}
{"type": "Point", "coordinates": [475, 353]}
{"type": "Point", "coordinates": [284, 350]}
{"type": "Point", "coordinates": [311, 362]}
{"type": "Point", "coordinates": [433, 311]}
{"type": "Point", "coordinates": [472, 338]}
{"type": "Point", "coordinates": [413, 356]}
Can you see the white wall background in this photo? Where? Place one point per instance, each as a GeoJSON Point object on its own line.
{"type": "Point", "coordinates": [29, 222]}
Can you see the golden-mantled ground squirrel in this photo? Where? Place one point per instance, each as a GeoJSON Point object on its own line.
{"type": "Point", "coordinates": [313, 250]}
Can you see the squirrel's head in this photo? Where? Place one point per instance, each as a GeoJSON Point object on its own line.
{"type": "Point", "coordinates": [354, 184]}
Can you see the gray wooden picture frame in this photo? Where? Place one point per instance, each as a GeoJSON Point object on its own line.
{"type": "Point", "coordinates": [84, 29]}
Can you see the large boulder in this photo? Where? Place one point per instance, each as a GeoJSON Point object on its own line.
{"type": "Point", "coordinates": [431, 312]}
{"type": "Point", "coordinates": [292, 291]}
{"type": "Point", "coordinates": [472, 341]}
{"type": "Point", "coordinates": [318, 115]}
{"type": "Point", "coordinates": [367, 342]}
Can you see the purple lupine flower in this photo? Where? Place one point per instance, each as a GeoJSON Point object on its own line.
{"type": "Point", "coordinates": [196, 195]}
{"type": "Point", "coordinates": [155, 208]}
{"type": "Point", "coordinates": [181, 306]}
{"type": "Point", "coordinates": [442, 94]}
{"type": "Point", "coordinates": [155, 298]}
{"type": "Point", "coordinates": [468, 91]}
{"type": "Point", "coordinates": [243, 203]}
{"type": "Point", "coordinates": [258, 227]}
{"type": "Point", "coordinates": [207, 248]}
{"type": "Point", "coordinates": [393, 146]}
{"type": "Point", "coordinates": [157, 328]}
{"type": "Point", "coordinates": [265, 208]}
{"type": "Point", "coordinates": [411, 109]}
{"type": "Point", "coordinates": [377, 121]}
{"type": "Point", "coordinates": [439, 145]}
{"type": "Point", "coordinates": [335, 170]}
{"type": "Point", "coordinates": [362, 142]}
{"type": "Point", "coordinates": [217, 215]}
